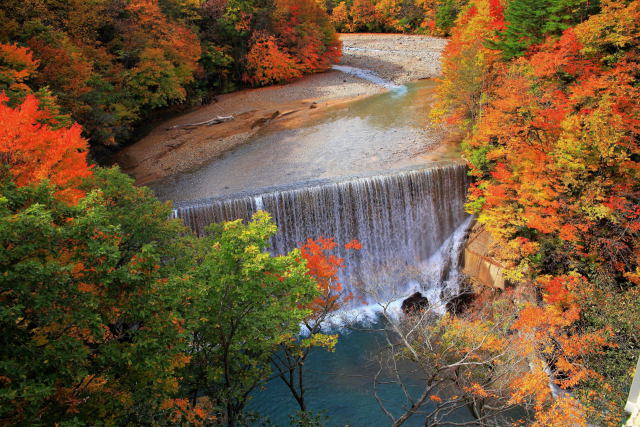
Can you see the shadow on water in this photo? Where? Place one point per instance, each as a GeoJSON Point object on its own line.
{"type": "Point", "coordinates": [341, 384]}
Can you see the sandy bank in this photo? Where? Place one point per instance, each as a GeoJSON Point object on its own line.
{"type": "Point", "coordinates": [166, 152]}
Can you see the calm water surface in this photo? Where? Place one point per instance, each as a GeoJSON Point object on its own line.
{"type": "Point", "coordinates": [381, 132]}
{"type": "Point", "coordinates": [341, 384]}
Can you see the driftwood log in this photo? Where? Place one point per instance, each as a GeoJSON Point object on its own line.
{"type": "Point", "coordinates": [210, 122]}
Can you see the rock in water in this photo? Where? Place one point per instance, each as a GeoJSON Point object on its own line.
{"type": "Point", "coordinates": [415, 303]}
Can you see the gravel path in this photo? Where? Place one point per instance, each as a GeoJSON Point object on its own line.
{"type": "Point", "coordinates": [395, 58]}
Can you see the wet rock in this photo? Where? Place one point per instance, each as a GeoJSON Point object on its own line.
{"type": "Point", "coordinates": [415, 303]}
{"type": "Point", "coordinates": [461, 302]}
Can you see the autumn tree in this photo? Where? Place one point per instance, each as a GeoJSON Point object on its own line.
{"type": "Point", "coordinates": [552, 147]}
{"type": "Point", "coordinates": [501, 353]}
{"type": "Point", "coordinates": [304, 29]}
{"type": "Point", "coordinates": [17, 66]}
{"type": "Point", "coordinates": [408, 16]}
{"type": "Point", "coordinates": [89, 304]}
{"type": "Point", "coordinates": [365, 16]}
{"type": "Point", "coordinates": [247, 303]}
{"type": "Point", "coordinates": [35, 152]}
{"type": "Point", "coordinates": [468, 65]}
{"type": "Point", "coordinates": [324, 267]}
{"type": "Point", "coordinates": [340, 17]}
{"type": "Point", "coordinates": [268, 64]}
{"type": "Point", "coordinates": [109, 64]}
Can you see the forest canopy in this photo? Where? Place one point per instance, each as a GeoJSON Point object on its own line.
{"type": "Point", "coordinates": [547, 93]}
{"type": "Point", "coordinates": [110, 64]}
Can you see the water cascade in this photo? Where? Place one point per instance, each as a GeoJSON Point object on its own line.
{"type": "Point", "coordinates": [411, 225]}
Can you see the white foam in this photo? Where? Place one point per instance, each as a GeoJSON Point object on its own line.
{"type": "Point", "coordinates": [440, 276]}
{"type": "Point", "coordinates": [371, 76]}
{"type": "Point", "coordinates": [259, 203]}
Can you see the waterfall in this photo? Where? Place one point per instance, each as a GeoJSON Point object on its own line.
{"type": "Point", "coordinates": [411, 225]}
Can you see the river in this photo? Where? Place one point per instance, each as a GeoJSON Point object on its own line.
{"type": "Point", "coordinates": [363, 170]}
{"type": "Point", "coordinates": [386, 131]}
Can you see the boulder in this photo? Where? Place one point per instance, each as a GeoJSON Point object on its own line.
{"type": "Point", "coordinates": [415, 303]}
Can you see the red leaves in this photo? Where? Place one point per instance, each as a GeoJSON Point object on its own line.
{"type": "Point", "coordinates": [496, 12]}
{"type": "Point", "coordinates": [37, 152]}
{"type": "Point", "coordinates": [354, 244]}
{"type": "Point", "coordinates": [563, 56]}
{"type": "Point", "coordinates": [557, 289]}
{"type": "Point", "coordinates": [324, 267]}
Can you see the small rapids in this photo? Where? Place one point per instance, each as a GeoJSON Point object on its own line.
{"type": "Point", "coordinates": [439, 282]}
{"type": "Point", "coordinates": [372, 77]}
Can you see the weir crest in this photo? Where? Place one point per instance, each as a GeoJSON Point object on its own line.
{"type": "Point", "coordinates": [411, 225]}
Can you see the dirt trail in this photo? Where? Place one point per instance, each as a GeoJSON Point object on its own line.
{"type": "Point", "coordinates": [165, 152]}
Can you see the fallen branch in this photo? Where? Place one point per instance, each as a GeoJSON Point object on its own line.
{"type": "Point", "coordinates": [210, 122]}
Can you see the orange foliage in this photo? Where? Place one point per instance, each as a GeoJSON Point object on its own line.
{"type": "Point", "coordinates": [37, 152]}
{"type": "Point", "coordinates": [565, 411]}
{"type": "Point", "coordinates": [323, 266]}
{"type": "Point", "coordinates": [267, 63]}
{"type": "Point", "coordinates": [17, 65]}
{"type": "Point", "coordinates": [468, 64]}
{"type": "Point", "coordinates": [184, 414]}
{"type": "Point", "coordinates": [304, 29]}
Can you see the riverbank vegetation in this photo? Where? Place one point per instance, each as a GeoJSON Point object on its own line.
{"type": "Point", "coordinates": [432, 17]}
{"type": "Point", "coordinates": [110, 65]}
{"type": "Point", "coordinates": [547, 93]}
{"type": "Point", "coordinates": [112, 314]}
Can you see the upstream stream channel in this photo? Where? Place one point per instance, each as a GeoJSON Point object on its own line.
{"type": "Point", "coordinates": [365, 170]}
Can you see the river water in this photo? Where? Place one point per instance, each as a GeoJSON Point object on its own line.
{"type": "Point", "coordinates": [387, 131]}
{"type": "Point", "coordinates": [360, 171]}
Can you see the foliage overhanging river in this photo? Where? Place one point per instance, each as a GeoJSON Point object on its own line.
{"type": "Point", "coordinates": [346, 176]}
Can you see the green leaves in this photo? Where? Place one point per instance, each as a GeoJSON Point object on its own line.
{"type": "Point", "coordinates": [248, 303]}
{"type": "Point", "coordinates": [89, 303]}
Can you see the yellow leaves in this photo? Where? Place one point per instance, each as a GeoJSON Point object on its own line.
{"type": "Point", "coordinates": [252, 250]}
{"type": "Point", "coordinates": [565, 411]}
{"type": "Point", "coordinates": [474, 335]}
{"type": "Point", "coordinates": [328, 342]}
{"type": "Point", "coordinates": [618, 24]}
{"type": "Point", "coordinates": [477, 390]}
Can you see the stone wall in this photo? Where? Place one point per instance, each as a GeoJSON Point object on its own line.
{"type": "Point", "coordinates": [479, 265]}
